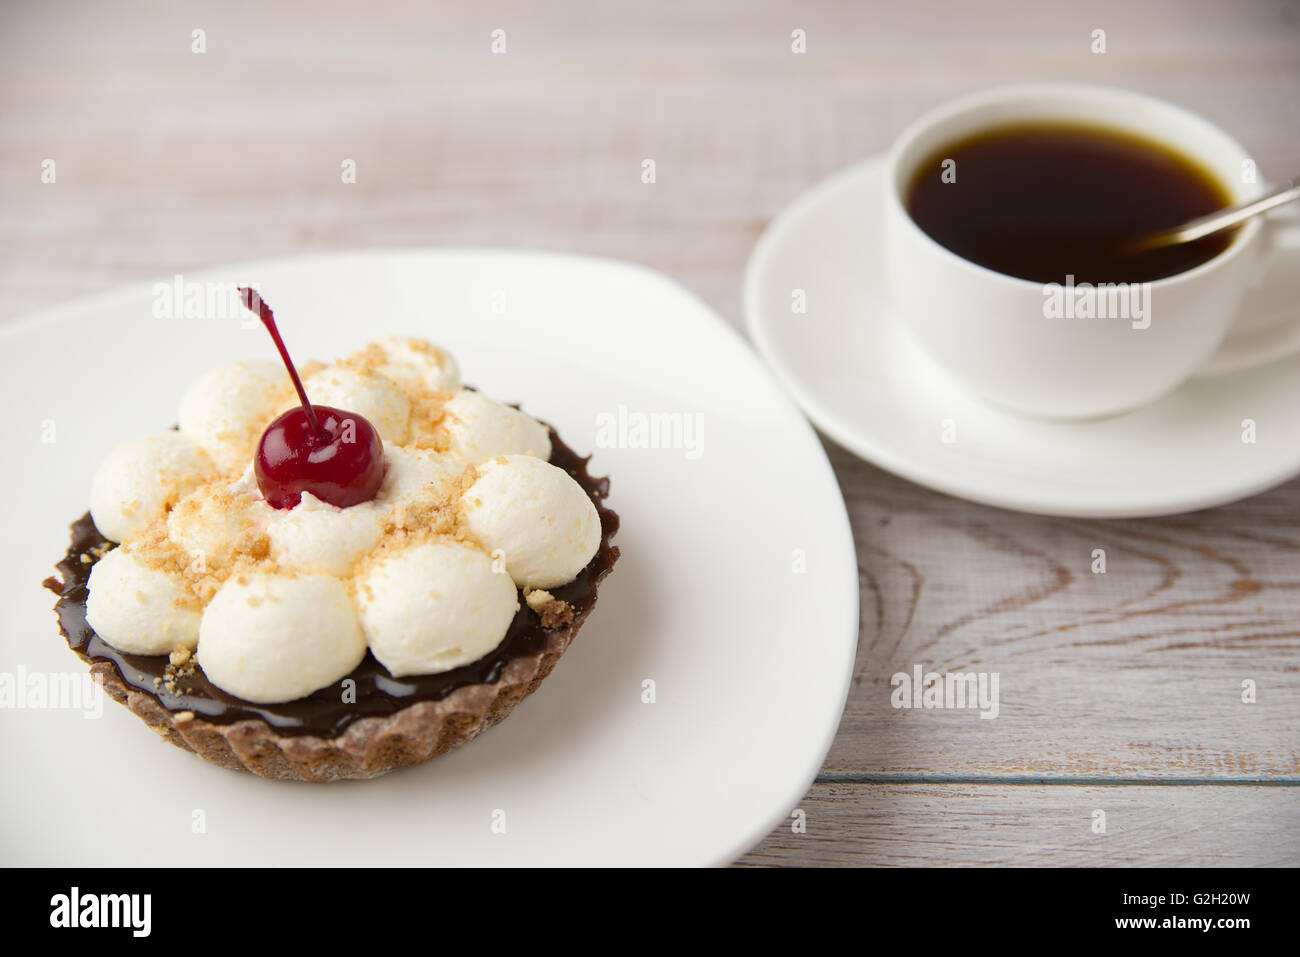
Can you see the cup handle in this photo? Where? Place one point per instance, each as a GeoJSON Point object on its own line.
{"type": "Point", "coordinates": [1271, 309]}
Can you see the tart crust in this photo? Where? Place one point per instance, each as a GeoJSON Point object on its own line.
{"type": "Point", "coordinates": [368, 746]}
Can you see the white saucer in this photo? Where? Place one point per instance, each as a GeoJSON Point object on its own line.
{"type": "Point", "coordinates": [750, 656]}
{"type": "Point", "coordinates": [866, 385]}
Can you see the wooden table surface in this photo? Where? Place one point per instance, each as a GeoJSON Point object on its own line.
{"type": "Point", "coordinates": [1120, 692]}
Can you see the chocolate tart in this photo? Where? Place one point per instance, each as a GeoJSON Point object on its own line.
{"type": "Point", "coordinates": [386, 724]}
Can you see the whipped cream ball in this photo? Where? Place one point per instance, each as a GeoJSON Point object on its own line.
{"type": "Point", "coordinates": [142, 478]}
{"type": "Point", "coordinates": [414, 363]}
{"type": "Point", "coordinates": [226, 409]}
{"type": "Point", "coordinates": [268, 638]}
{"type": "Point", "coordinates": [536, 516]}
{"type": "Point", "coordinates": [481, 428]}
{"type": "Point", "coordinates": [318, 536]}
{"type": "Point", "coordinates": [414, 475]}
{"type": "Point", "coordinates": [368, 394]}
{"type": "Point", "coordinates": [212, 523]}
{"type": "Point", "coordinates": [433, 607]}
{"type": "Point", "coordinates": [140, 609]}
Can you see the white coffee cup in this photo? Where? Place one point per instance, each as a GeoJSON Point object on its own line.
{"type": "Point", "coordinates": [992, 332]}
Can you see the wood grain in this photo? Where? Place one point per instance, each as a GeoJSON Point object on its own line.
{"type": "Point", "coordinates": [169, 161]}
{"type": "Point", "coordinates": [967, 825]}
{"type": "Point", "coordinates": [1137, 672]}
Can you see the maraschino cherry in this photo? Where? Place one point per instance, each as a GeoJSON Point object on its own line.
{"type": "Point", "coordinates": [335, 455]}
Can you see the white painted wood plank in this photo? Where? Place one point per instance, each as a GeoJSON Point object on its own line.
{"type": "Point", "coordinates": [926, 825]}
{"type": "Point", "coordinates": [1133, 673]}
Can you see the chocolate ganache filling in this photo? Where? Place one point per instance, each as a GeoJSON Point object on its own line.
{"type": "Point", "coordinates": [326, 712]}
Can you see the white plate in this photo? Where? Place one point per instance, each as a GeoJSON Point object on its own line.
{"type": "Point", "coordinates": [751, 661]}
{"type": "Point", "coordinates": [865, 384]}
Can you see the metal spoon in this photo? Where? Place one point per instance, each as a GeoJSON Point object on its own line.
{"type": "Point", "coordinates": [1214, 222]}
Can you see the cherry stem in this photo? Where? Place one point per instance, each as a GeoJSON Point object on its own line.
{"type": "Point", "coordinates": [253, 302]}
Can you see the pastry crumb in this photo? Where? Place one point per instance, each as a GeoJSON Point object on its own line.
{"type": "Point", "coordinates": [553, 612]}
{"type": "Point", "coordinates": [181, 664]}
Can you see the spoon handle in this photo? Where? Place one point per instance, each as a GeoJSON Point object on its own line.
{"type": "Point", "coordinates": [1224, 218]}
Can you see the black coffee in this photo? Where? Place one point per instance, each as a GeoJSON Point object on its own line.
{"type": "Point", "coordinates": [1045, 201]}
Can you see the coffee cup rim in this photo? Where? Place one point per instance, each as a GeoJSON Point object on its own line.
{"type": "Point", "coordinates": [965, 104]}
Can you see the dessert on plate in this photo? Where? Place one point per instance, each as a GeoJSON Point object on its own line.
{"type": "Point", "coordinates": [337, 574]}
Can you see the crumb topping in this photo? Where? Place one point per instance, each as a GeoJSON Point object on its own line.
{"type": "Point", "coordinates": [181, 666]}
{"type": "Point", "coordinates": [553, 612]}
